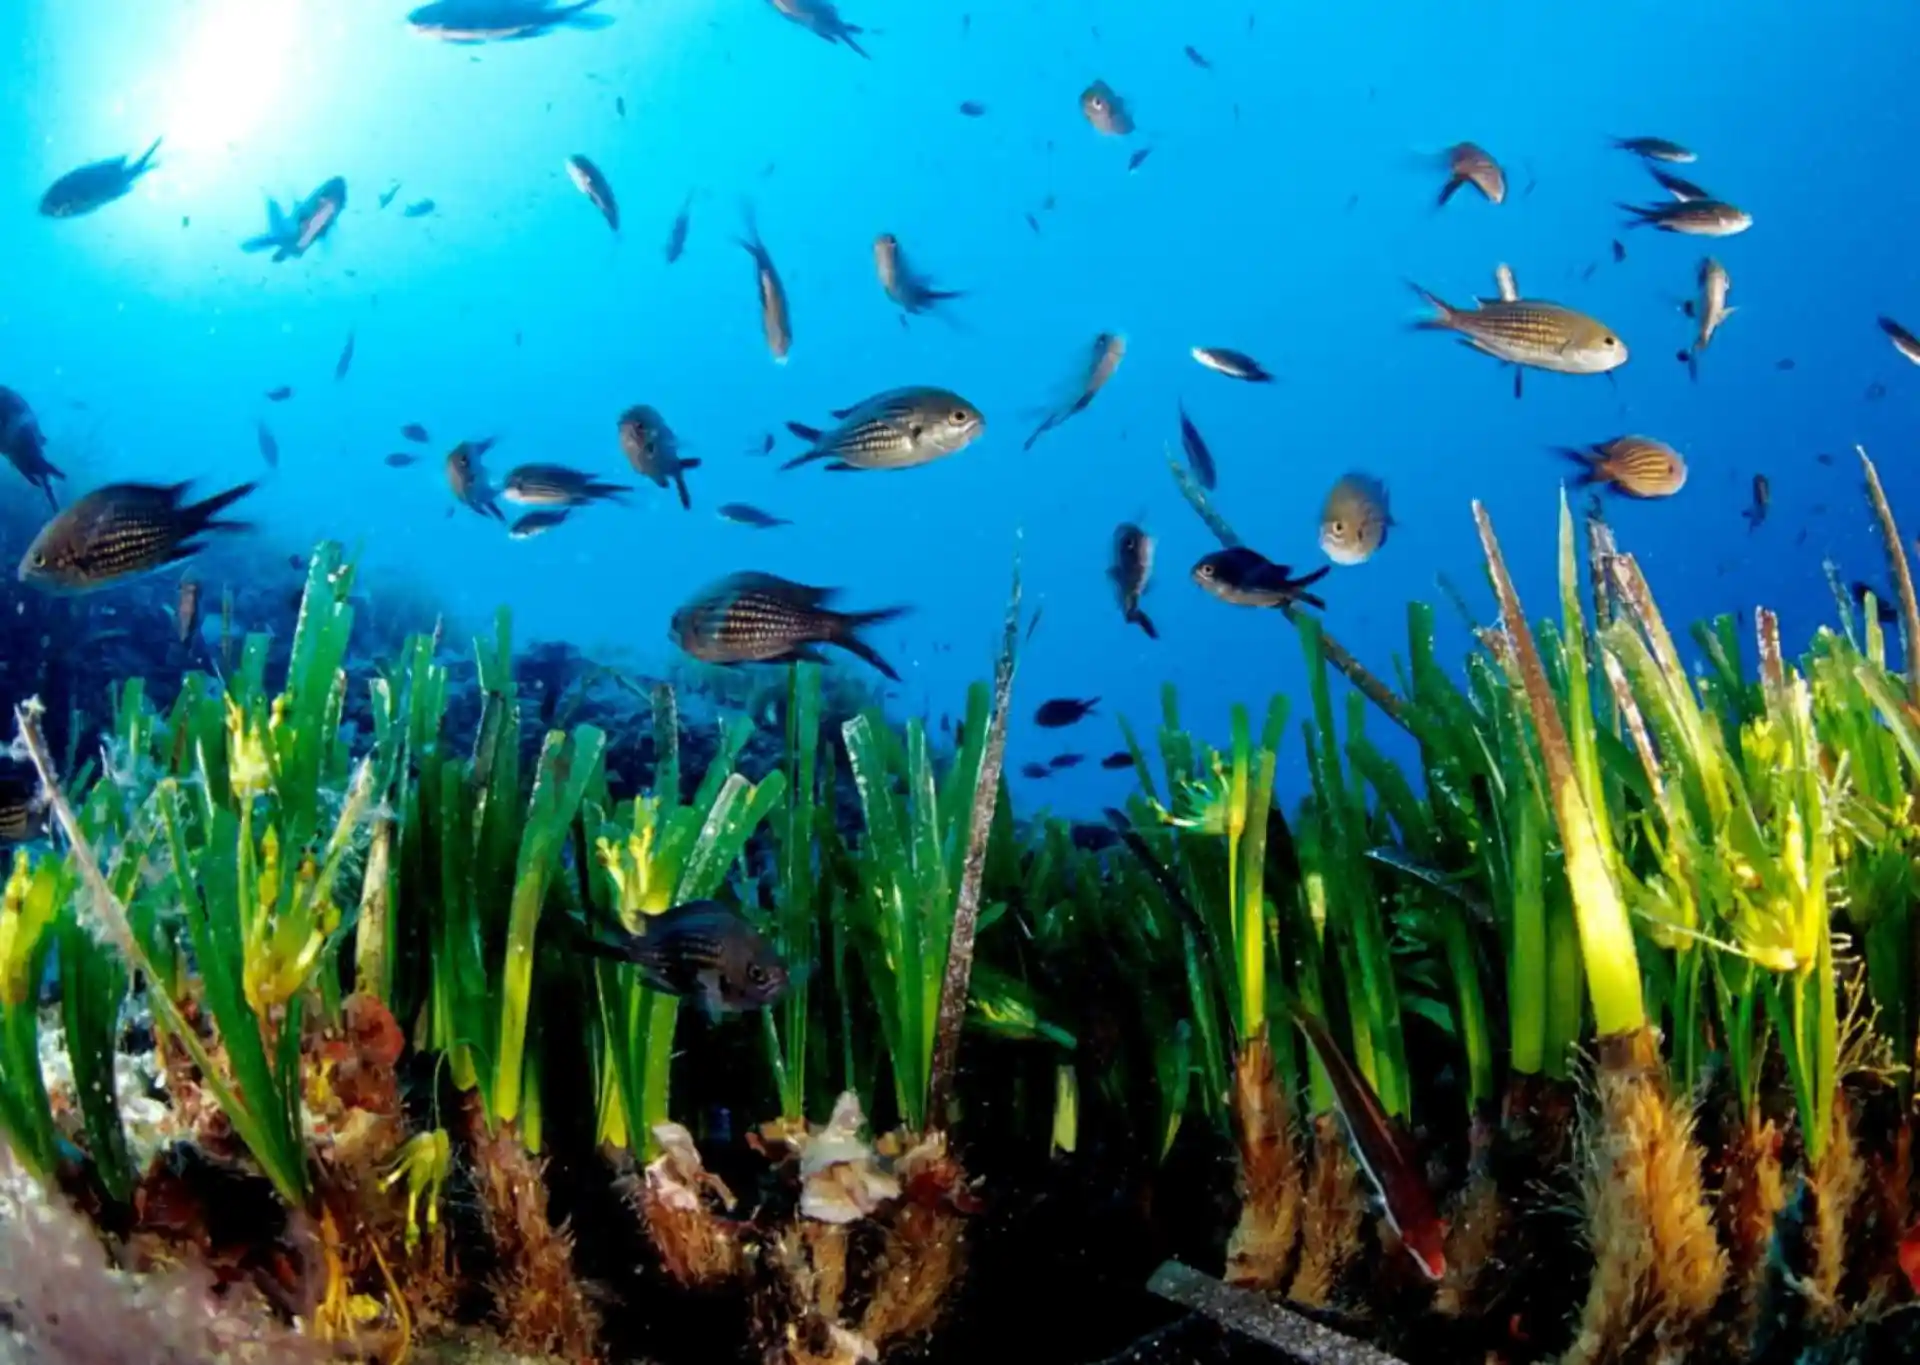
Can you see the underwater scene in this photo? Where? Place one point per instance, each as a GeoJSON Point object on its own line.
{"type": "Point", "coordinates": [801, 682]}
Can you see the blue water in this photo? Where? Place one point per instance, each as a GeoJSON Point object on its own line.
{"type": "Point", "coordinates": [1284, 204]}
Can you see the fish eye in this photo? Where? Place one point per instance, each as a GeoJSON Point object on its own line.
{"type": "Point", "coordinates": [1097, 103]}
{"type": "Point", "coordinates": [1608, 341]}
{"type": "Point", "coordinates": [39, 559]}
{"type": "Point", "coordinates": [757, 974]}
{"type": "Point", "coordinates": [1206, 571]}
{"type": "Point", "coordinates": [960, 417]}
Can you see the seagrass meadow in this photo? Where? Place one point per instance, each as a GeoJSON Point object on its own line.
{"type": "Point", "coordinates": [297, 1061]}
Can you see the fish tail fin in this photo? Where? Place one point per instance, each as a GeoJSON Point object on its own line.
{"type": "Point", "coordinates": [145, 163]}
{"type": "Point", "coordinates": [680, 483]}
{"type": "Point", "coordinates": [612, 492]}
{"type": "Point", "coordinates": [806, 457]}
{"type": "Point", "coordinates": [1308, 580]}
{"type": "Point", "coordinates": [805, 432]}
{"type": "Point", "coordinates": [202, 514]}
{"type": "Point", "coordinates": [846, 36]}
{"type": "Point", "coordinates": [1448, 190]}
{"type": "Point", "coordinates": [260, 243]}
{"type": "Point", "coordinates": [1641, 216]}
{"type": "Point", "coordinates": [1691, 358]}
{"type": "Point", "coordinates": [1145, 622]}
{"type": "Point", "coordinates": [1311, 600]}
{"type": "Point", "coordinates": [847, 628]}
{"type": "Point", "coordinates": [1588, 462]}
{"type": "Point", "coordinates": [1445, 311]}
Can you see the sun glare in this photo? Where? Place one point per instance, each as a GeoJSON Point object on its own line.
{"type": "Point", "coordinates": [230, 72]}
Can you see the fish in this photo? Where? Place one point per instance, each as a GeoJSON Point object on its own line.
{"type": "Point", "coordinates": [762, 447]}
{"type": "Point", "coordinates": [912, 291]}
{"type": "Point", "coordinates": [387, 195]}
{"type": "Point", "coordinates": [677, 234]}
{"type": "Point", "coordinates": [973, 108]}
{"type": "Point", "coordinates": [591, 181]}
{"type": "Point", "coordinates": [1106, 111]}
{"type": "Point", "coordinates": [654, 451]}
{"type": "Point", "coordinates": [1036, 771]}
{"type": "Point", "coordinates": [413, 431]}
{"type": "Point", "coordinates": [1710, 309]}
{"type": "Point", "coordinates": [95, 185]}
{"type": "Point", "coordinates": [754, 617]}
{"type": "Point", "coordinates": [1656, 149]}
{"type": "Point", "coordinates": [1194, 57]}
{"type": "Point", "coordinates": [186, 614]}
{"type": "Point", "coordinates": [120, 531]}
{"type": "Point", "coordinates": [481, 21]}
{"type": "Point", "coordinates": [269, 447]}
{"type": "Point", "coordinates": [1638, 466]}
{"type": "Point", "coordinates": [1130, 572]}
{"type": "Point", "coordinates": [746, 515]}
{"type": "Point", "coordinates": [1619, 251]}
{"type": "Point", "coordinates": [23, 809]}
{"type": "Point", "coordinates": [1762, 498]}
{"type": "Point", "coordinates": [620, 105]}
{"type": "Point", "coordinates": [1109, 348]}
{"type": "Point", "coordinates": [1199, 458]}
{"type": "Point", "coordinates": [1382, 1152]}
{"type": "Point", "coordinates": [1683, 190]}
{"type": "Point", "coordinates": [400, 459]}
{"type": "Point", "coordinates": [1530, 332]}
{"type": "Point", "coordinates": [345, 361]}
{"type": "Point", "coordinates": [701, 950]}
{"type": "Point", "coordinates": [1469, 164]}
{"type": "Point", "coordinates": [1904, 341]}
{"type": "Point", "coordinates": [1061, 762]}
{"type": "Point", "coordinates": [290, 236]}
{"type": "Point", "coordinates": [775, 321]}
{"type": "Point", "coordinates": [556, 485]}
{"type": "Point", "coordinates": [899, 429]}
{"type": "Point", "coordinates": [1233, 364]}
{"type": "Point", "coordinates": [1135, 161]}
{"type": "Point", "coordinates": [419, 208]}
{"type": "Point", "coordinates": [468, 482]}
{"type": "Point", "coordinates": [280, 394]}
{"type": "Point", "coordinates": [1060, 712]}
{"type": "Point", "coordinates": [25, 446]}
{"type": "Point", "coordinates": [1884, 609]}
{"type": "Point", "coordinates": [1355, 519]}
{"type": "Point", "coordinates": [1118, 761]}
{"type": "Point", "coordinates": [820, 18]}
{"type": "Point", "coordinates": [1243, 577]}
{"type": "Point", "coordinates": [535, 523]}
{"type": "Point", "coordinates": [1691, 217]}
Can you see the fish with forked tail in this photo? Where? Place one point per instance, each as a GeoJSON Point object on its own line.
{"type": "Point", "coordinates": [754, 617]}
{"type": "Point", "coordinates": [291, 235]}
{"type": "Point", "coordinates": [702, 949]}
{"type": "Point", "coordinates": [122, 530]}
{"type": "Point", "coordinates": [654, 451]}
{"type": "Point", "coordinates": [481, 21]}
{"type": "Point", "coordinates": [819, 17]}
{"type": "Point", "coordinates": [1131, 570]}
{"type": "Point", "coordinates": [95, 185]}
{"type": "Point", "coordinates": [23, 444]}
{"type": "Point", "coordinates": [1246, 578]}
{"type": "Point", "coordinates": [898, 429]}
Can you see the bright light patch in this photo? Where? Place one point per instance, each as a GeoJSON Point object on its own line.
{"type": "Point", "coordinates": [229, 72]}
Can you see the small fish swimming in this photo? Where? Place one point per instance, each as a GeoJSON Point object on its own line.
{"type": "Point", "coordinates": [820, 18]}
{"type": "Point", "coordinates": [899, 429]}
{"type": "Point", "coordinates": [280, 394]}
{"type": "Point", "coordinates": [1355, 519]}
{"type": "Point", "coordinates": [1199, 458]}
{"type": "Point", "coordinates": [1530, 332]}
{"type": "Point", "coordinates": [413, 431]}
{"type": "Point", "coordinates": [345, 361]}
{"type": "Point", "coordinates": [1109, 348]}
{"type": "Point", "coordinates": [95, 185]}
{"type": "Point", "coordinates": [912, 291]}
{"type": "Point", "coordinates": [538, 522]}
{"type": "Point", "coordinates": [1904, 341]}
{"type": "Point", "coordinates": [1061, 712]}
{"type": "Point", "coordinates": [1130, 572]}
{"type": "Point", "coordinates": [1469, 164]}
{"type": "Point", "coordinates": [23, 810]}
{"type": "Point", "coordinates": [1710, 310]}
{"type": "Point", "coordinates": [1118, 761]}
{"type": "Point", "coordinates": [23, 444]}
{"type": "Point", "coordinates": [701, 950]}
{"type": "Point", "coordinates": [1233, 364]}
{"type": "Point", "coordinates": [677, 234]}
{"type": "Point", "coordinates": [1683, 190]}
{"type": "Point", "coordinates": [620, 105]}
{"type": "Point", "coordinates": [1656, 149]}
{"type": "Point", "coordinates": [269, 447]}
{"type": "Point", "coordinates": [754, 617]}
{"type": "Point", "coordinates": [591, 181]}
{"type": "Point", "coordinates": [744, 514]}
{"type": "Point", "coordinates": [654, 451]}
{"type": "Point", "coordinates": [387, 195]}
{"type": "Point", "coordinates": [419, 208]}
{"type": "Point", "coordinates": [1756, 513]}
{"type": "Point", "coordinates": [1106, 111]}
{"type": "Point", "coordinates": [480, 21]}
{"type": "Point", "coordinates": [1638, 466]}
{"type": "Point", "coordinates": [1062, 762]}
{"type": "Point", "coordinates": [120, 531]}
{"type": "Point", "coordinates": [1194, 57]}
{"type": "Point", "coordinates": [973, 109]}
{"type": "Point", "coordinates": [400, 459]}
{"type": "Point", "coordinates": [1036, 772]}
{"type": "Point", "coordinates": [186, 613]}
{"type": "Point", "coordinates": [468, 481]}
{"type": "Point", "coordinates": [292, 235]}
{"type": "Point", "coordinates": [1691, 217]}
{"type": "Point", "coordinates": [556, 485]}
{"type": "Point", "coordinates": [1138, 159]}
{"type": "Point", "coordinates": [1243, 577]}
{"type": "Point", "coordinates": [775, 321]}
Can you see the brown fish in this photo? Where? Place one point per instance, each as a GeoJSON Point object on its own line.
{"type": "Point", "coordinates": [1108, 350]}
{"type": "Point", "coordinates": [1530, 332]}
{"type": "Point", "coordinates": [23, 811]}
{"type": "Point", "coordinates": [703, 950]}
{"type": "Point", "coordinates": [1468, 164]}
{"type": "Point", "coordinates": [1638, 466]}
{"type": "Point", "coordinates": [756, 617]}
{"type": "Point", "coordinates": [1656, 149]}
{"type": "Point", "coordinates": [1355, 519]}
{"type": "Point", "coordinates": [913, 292]}
{"type": "Point", "coordinates": [654, 451]}
{"type": "Point", "coordinates": [1106, 111]}
{"type": "Point", "coordinates": [775, 321]}
{"type": "Point", "coordinates": [122, 530]}
{"type": "Point", "coordinates": [555, 485]}
{"type": "Point", "coordinates": [1691, 217]}
{"type": "Point", "coordinates": [1762, 499]}
{"type": "Point", "coordinates": [186, 616]}
{"type": "Point", "coordinates": [1710, 310]}
{"type": "Point", "coordinates": [1130, 571]}
{"type": "Point", "coordinates": [468, 481]}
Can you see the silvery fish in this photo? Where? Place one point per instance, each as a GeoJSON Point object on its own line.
{"type": "Point", "coordinates": [591, 181]}
{"type": "Point", "coordinates": [1710, 310]}
{"type": "Point", "coordinates": [1109, 348]}
{"type": "Point", "coordinates": [1904, 341]}
{"type": "Point", "coordinates": [820, 18]}
{"type": "Point", "coordinates": [480, 21]}
{"type": "Point", "coordinates": [1233, 364]}
{"type": "Point", "coordinates": [290, 235]}
{"type": "Point", "coordinates": [1106, 111]}
{"type": "Point", "coordinates": [1355, 519]}
{"type": "Point", "coordinates": [537, 523]}
{"type": "Point", "coordinates": [1692, 217]}
{"type": "Point", "coordinates": [898, 429]}
{"type": "Point", "coordinates": [775, 321]}
{"type": "Point", "coordinates": [905, 286]}
{"type": "Point", "coordinates": [94, 185]}
{"type": "Point", "coordinates": [1655, 149]}
{"type": "Point", "coordinates": [555, 485]}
